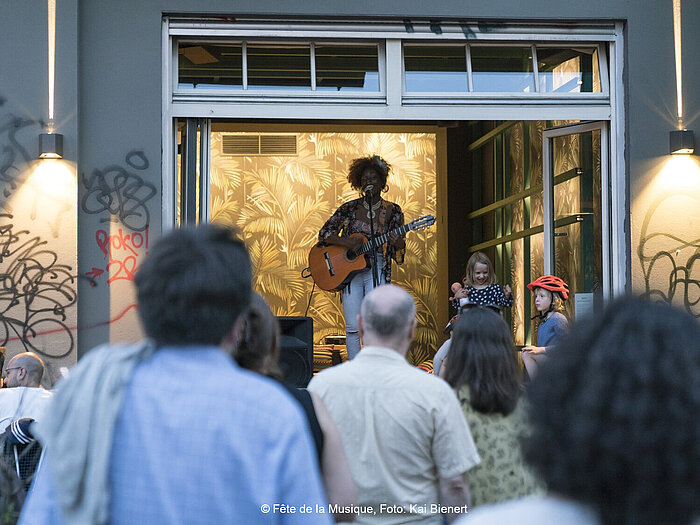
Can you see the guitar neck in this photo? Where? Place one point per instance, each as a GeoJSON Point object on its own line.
{"type": "Point", "coordinates": [381, 239]}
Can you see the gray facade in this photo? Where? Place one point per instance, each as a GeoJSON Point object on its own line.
{"type": "Point", "coordinates": [109, 109]}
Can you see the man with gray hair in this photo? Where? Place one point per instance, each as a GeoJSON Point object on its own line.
{"type": "Point", "coordinates": [407, 442]}
{"type": "Point", "coordinates": [24, 397]}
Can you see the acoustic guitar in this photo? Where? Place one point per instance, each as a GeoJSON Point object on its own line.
{"type": "Point", "coordinates": [333, 266]}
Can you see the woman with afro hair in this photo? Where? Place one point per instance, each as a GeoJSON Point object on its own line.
{"type": "Point", "coordinates": [368, 175]}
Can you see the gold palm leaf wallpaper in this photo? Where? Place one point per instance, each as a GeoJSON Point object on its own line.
{"type": "Point", "coordinates": [281, 202]}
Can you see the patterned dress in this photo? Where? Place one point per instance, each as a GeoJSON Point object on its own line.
{"type": "Point", "coordinates": [344, 223]}
{"type": "Point", "coordinates": [502, 474]}
{"type": "Point", "coordinates": [492, 295]}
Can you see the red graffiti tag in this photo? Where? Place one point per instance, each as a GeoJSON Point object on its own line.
{"type": "Point", "coordinates": [122, 252]}
{"type": "Point", "coordinates": [95, 272]}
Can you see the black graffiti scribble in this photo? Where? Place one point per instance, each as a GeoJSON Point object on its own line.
{"type": "Point", "coordinates": [36, 292]}
{"type": "Point", "coordinates": [663, 266]}
{"type": "Point", "coordinates": [13, 154]}
{"type": "Point", "coordinates": [137, 160]}
{"type": "Point", "coordinates": [121, 193]}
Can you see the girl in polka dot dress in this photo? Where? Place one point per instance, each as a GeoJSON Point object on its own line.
{"type": "Point", "coordinates": [480, 286]}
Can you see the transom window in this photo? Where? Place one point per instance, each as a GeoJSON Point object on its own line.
{"type": "Point", "coordinates": [500, 69]}
{"type": "Point", "coordinates": [347, 68]}
{"type": "Point", "coordinates": [260, 66]}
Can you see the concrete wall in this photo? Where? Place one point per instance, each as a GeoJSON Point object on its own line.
{"type": "Point", "coordinates": [665, 190]}
{"type": "Point", "coordinates": [38, 199]}
{"type": "Point", "coordinates": [116, 215]}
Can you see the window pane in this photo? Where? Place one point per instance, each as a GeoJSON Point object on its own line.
{"type": "Point", "coordinates": [502, 69]}
{"type": "Point", "coordinates": [347, 68]}
{"type": "Point", "coordinates": [435, 68]}
{"type": "Point", "coordinates": [279, 66]}
{"type": "Point", "coordinates": [209, 66]}
{"type": "Point", "coordinates": [568, 70]}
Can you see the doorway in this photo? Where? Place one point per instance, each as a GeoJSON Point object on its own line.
{"type": "Point", "coordinates": [279, 183]}
{"type": "Point", "coordinates": [537, 203]}
{"type": "Point", "coordinates": [529, 194]}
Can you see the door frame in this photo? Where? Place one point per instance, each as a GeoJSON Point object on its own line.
{"type": "Point", "coordinates": [606, 197]}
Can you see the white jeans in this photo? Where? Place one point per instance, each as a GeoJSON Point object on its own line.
{"type": "Point", "coordinates": [360, 285]}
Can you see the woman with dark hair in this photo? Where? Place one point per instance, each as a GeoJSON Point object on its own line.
{"type": "Point", "coordinates": [258, 351]}
{"type": "Point", "coordinates": [482, 367]}
{"type": "Point", "coordinates": [368, 175]}
{"type": "Point", "coordinates": [615, 427]}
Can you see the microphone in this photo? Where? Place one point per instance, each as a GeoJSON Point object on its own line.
{"type": "Point", "coordinates": [367, 190]}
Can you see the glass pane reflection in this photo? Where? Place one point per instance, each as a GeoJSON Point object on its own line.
{"type": "Point", "coordinates": [210, 66]}
{"type": "Point", "coordinates": [578, 232]}
{"type": "Point", "coordinates": [279, 66]}
{"type": "Point", "coordinates": [435, 68]}
{"type": "Point", "coordinates": [347, 68]}
{"type": "Point", "coordinates": [502, 69]}
{"type": "Point", "coordinates": [564, 70]}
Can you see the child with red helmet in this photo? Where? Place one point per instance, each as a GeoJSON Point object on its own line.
{"type": "Point", "coordinates": [550, 293]}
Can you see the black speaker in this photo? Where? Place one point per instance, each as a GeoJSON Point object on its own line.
{"type": "Point", "coordinates": [297, 349]}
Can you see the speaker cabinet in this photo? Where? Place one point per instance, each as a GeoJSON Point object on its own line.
{"type": "Point", "coordinates": [297, 349]}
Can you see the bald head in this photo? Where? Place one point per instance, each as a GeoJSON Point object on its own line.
{"type": "Point", "coordinates": [388, 318]}
{"type": "Point", "coordinates": [24, 369]}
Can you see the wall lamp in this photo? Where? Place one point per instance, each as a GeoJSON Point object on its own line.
{"type": "Point", "coordinates": [682, 142]}
{"type": "Point", "coordinates": [50, 143]}
{"type": "Point", "coordinates": [50, 146]}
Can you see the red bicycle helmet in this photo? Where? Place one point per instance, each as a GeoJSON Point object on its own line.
{"type": "Point", "coordinates": [551, 283]}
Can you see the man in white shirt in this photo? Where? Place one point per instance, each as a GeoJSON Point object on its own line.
{"type": "Point", "coordinates": [406, 439]}
{"type": "Point", "coordinates": [24, 397]}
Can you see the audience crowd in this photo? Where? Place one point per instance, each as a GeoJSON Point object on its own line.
{"type": "Point", "coordinates": [196, 424]}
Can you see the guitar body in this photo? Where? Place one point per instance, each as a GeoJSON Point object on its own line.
{"type": "Point", "coordinates": [332, 267]}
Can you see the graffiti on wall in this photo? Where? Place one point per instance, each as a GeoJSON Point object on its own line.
{"type": "Point", "coordinates": [120, 192]}
{"type": "Point", "coordinates": [122, 251]}
{"type": "Point", "coordinates": [12, 154]}
{"type": "Point", "coordinates": [36, 292]}
{"type": "Point", "coordinates": [121, 196]}
{"type": "Point", "coordinates": [670, 263]}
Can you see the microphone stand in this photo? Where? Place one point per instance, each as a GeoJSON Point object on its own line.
{"type": "Point", "coordinates": [375, 274]}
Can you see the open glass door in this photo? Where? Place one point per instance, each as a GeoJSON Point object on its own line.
{"type": "Point", "coordinates": [576, 212]}
{"type": "Point", "coordinates": [193, 171]}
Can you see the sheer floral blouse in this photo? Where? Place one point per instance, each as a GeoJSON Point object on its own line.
{"type": "Point", "coordinates": [344, 223]}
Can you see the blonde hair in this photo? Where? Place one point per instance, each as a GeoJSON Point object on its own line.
{"type": "Point", "coordinates": [478, 257]}
{"type": "Point", "coordinates": [557, 304]}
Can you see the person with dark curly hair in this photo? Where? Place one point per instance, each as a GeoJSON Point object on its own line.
{"type": "Point", "coordinates": [483, 369]}
{"type": "Point", "coordinates": [368, 175]}
{"type": "Point", "coordinates": [615, 427]}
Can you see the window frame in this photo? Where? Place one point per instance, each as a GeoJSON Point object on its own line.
{"type": "Point", "coordinates": [391, 103]}
{"type": "Point", "coordinates": [246, 93]}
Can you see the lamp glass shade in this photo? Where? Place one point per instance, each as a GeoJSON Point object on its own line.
{"type": "Point", "coordinates": [50, 146]}
{"type": "Point", "coordinates": [682, 142]}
